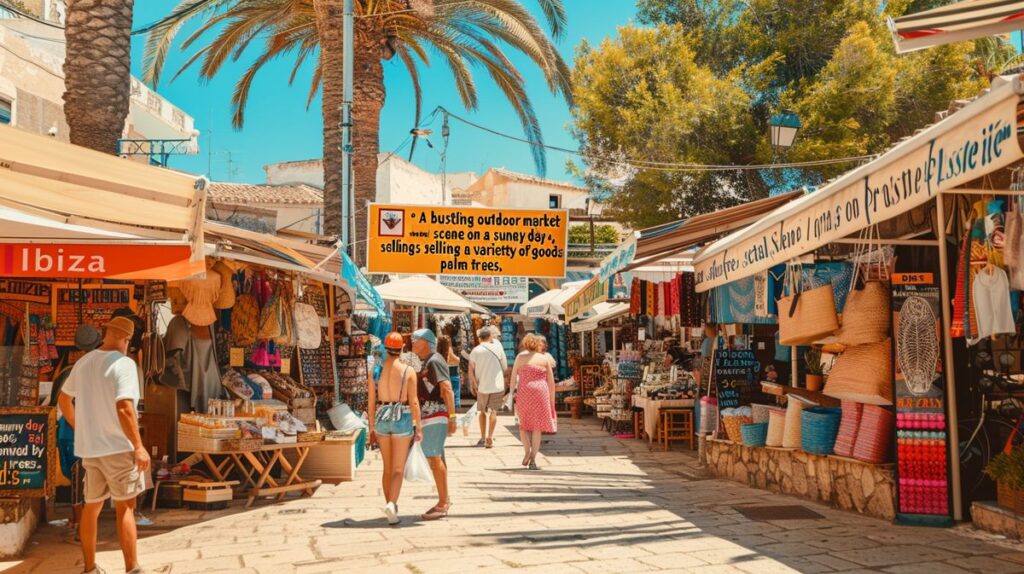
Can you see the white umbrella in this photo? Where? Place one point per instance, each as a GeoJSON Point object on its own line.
{"type": "Point", "coordinates": [551, 302]}
{"type": "Point", "coordinates": [422, 291]}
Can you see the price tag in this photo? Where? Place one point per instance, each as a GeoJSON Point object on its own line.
{"type": "Point", "coordinates": [286, 366]}
{"type": "Point", "coordinates": [237, 357]}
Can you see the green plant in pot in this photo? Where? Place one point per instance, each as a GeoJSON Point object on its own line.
{"type": "Point", "coordinates": [1007, 469]}
{"type": "Point", "coordinates": [815, 370]}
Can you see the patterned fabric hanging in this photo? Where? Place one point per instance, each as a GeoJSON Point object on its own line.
{"type": "Point", "coordinates": [634, 297]}
{"type": "Point", "coordinates": [956, 329]}
{"type": "Point", "coordinates": [651, 301]}
{"type": "Point", "coordinates": [674, 290]}
{"type": "Point", "coordinates": [761, 294]}
{"type": "Point", "coordinates": [689, 303]}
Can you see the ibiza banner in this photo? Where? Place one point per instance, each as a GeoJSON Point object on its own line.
{"type": "Point", "coordinates": [971, 143]}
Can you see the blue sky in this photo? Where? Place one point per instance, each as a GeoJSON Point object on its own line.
{"type": "Point", "coordinates": [279, 127]}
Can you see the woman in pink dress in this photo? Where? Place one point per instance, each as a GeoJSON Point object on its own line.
{"type": "Point", "coordinates": [533, 384]}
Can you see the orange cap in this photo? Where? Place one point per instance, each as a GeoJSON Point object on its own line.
{"type": "Point", "coordinates": [394, 341]}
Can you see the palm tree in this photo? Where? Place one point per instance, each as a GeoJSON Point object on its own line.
{"type": "Point", "coordinates": [97, 71]}
{"type": "Point", "coordinates": [463, 33]}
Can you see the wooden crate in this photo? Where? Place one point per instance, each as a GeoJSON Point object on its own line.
{"type": "Point", "coordinates": [206, 492]}
{"type": "Point", "coordinates": [193, 443]}
{"type": "Point", "coordinates": [332, 461]}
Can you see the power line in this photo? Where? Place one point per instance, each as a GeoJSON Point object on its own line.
{"type": "Point", "coordinates": [659, 166]}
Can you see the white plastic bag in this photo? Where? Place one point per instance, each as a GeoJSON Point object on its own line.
{"type": "Point", "coordinates": [507, 403]}
{"type": "Point", "coordinates": [416, 467]}
{"type": "Point", "coordinates": [470, 416]}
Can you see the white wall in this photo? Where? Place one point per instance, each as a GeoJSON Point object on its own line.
{"type": "Point", "coordinates": [526, 195]}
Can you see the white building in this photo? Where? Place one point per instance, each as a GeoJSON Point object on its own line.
{"type": "Point", "coordinates": [32, 83]}
{"type": "Point", "coordinates": [398, 181]}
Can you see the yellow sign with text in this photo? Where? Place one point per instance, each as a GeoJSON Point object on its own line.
{"type": "Point", "coordinates": [467, 241]}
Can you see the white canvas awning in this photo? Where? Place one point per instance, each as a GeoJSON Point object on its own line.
{"type": "Point", "coordinates": [956, 22]}
{"type": "Point", "coordinates": [551, 302]}
{"type": "Point", "coordinates": [601, 312]}
{"type": "Point", "coordinates": [43, 176]}
{"type": "Point", "coordinates": [422, 291]}
{"type": "Point", "coordinates": [977, 140]}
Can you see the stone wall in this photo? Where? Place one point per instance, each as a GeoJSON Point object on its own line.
{"type": "Point", "coordinates": [991, 517]}
{"type": "Point", "coordinates": [842, 483]}
{"type": "Point", "coordinates": [18, 519]}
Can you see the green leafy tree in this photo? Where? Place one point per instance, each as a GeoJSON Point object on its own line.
{"type": "Point", "coordinates": [701, 85]}
{"type": "Point", "coordinates": [603, 234]}
{"type": "Point", "coordinates": [631, 97]}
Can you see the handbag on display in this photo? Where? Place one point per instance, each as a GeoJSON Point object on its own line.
{"type": "Point", "coordinates": [307, 326]}
{"type": "Point", "coordinates": [806, 316]}
{"type": "Point", "coordinates": [863, 374]}
{"type": "Point", "coordinates": [867, 315]}
{"type": "Point", "coordinates": [245, 320]}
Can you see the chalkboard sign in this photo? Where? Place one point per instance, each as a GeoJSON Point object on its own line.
{"type": "Point", "coordinates": [736, 378]}
{"type": "Point", "coordinates": [28, 451]}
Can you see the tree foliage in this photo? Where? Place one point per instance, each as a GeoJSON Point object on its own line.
{"type": "Point", "coordinates": [603, 234]}
{"type": "Point", "coordinates": [698, 83]}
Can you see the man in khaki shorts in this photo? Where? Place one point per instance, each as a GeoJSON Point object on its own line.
{"type": "Point", "coordinates": [104, 388]}
{"type": "Point", "coordinates": [487, 367]}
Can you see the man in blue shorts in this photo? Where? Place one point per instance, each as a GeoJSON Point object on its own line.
{"type": "Point", "coordinates": [437, 405]}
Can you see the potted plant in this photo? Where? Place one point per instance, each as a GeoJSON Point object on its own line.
{"type": "Point", "coordinates": [815, 370]}
{"type": "Point", "coordinates": [1007, 469]}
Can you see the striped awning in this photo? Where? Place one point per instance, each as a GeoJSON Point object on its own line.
{"type": "Point", "coordinates": [956, 22]}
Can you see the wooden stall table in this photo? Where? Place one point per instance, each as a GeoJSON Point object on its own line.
{"type": "Point", "coordinates": [254, 469]}
{"type": "Point", "coordinates": [651, 408]}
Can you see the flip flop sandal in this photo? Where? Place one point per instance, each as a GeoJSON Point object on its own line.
{"type": "Point", "coordinates": [480, 442]}
{"type": "Point", "coordinates": [436, 513]}
{"type": "Point", "coordinates": [533, 466]}
{"type": "Point", "coordinates": [490, 443]}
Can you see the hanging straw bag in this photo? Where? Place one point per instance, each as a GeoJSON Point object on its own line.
{"type": "Point", "coordinates": [307, 326]}
{"type": "Point", "coordinates": [863, 374]}
{"type": "Point", "coordinates": [866, 317]}
{"type": "Point", "coordinates": [806, 316]}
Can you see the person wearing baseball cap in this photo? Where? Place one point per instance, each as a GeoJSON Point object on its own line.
{"type": "Point", "coordinates": [393, 413]}
{"type": "Point", "coordinates": [99, 401]}
{"type": "Point", "coordinates": [437, 405]}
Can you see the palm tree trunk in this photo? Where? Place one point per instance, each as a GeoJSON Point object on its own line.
{"type": "Point", "coordinates": [367, 102]}
{"type": "Point", "coordinates": [97, 70]}
{"type": "Point", "coordinates": [329, 15]}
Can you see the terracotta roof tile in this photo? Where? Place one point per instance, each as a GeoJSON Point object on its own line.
{"type": "Point", "coordinates": [248, 193]}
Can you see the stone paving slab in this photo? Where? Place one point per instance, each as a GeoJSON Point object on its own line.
{"type": "Point", "coordinates": [598, 505]}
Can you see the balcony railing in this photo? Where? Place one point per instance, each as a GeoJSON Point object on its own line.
{"type": "Point", "coordinates": [586, 251]}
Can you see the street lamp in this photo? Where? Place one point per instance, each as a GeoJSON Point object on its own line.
{"type": "Point", "coordinates": [784, 127]}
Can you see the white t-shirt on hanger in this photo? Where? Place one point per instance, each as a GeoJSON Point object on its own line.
{"type": "Point", "coordinates": [991, 291]}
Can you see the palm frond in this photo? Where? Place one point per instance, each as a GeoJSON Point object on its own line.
{"type": "Point", "coordinates": [160, 36]}
{"type": "Point", "coordinates": [314, 84]}
{"type": "Point", "coordinates": [405, 55]}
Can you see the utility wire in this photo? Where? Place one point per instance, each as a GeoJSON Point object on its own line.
{"type": "Point", "coordinates": [659, 166]}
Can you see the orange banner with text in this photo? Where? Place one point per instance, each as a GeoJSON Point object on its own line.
{"type": "Point", "coordinates": [107, 261]}
{"type": "Point", "coordinates": [466, 241]}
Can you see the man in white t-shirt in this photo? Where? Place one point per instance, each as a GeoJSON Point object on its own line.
{"type": "Point", "coordinates": [487, 367]}
{"type": "Point", "coordinates": [104, 385]}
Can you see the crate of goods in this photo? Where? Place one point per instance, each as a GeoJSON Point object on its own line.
{"type": "Point", "coordinates": [733, 419]}
{"type": "Point", "coordinates": [208, 495]}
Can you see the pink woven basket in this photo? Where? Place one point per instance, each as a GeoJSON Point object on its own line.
{"type": "Point", "coordinates": [847, 437]}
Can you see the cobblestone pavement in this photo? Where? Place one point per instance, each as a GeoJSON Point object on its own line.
{"type": "Point", "coordinates": [599, 504]}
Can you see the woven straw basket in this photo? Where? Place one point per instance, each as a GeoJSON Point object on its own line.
{"type": "Point", "coordinates": [863, 374]}
{"type": "Point", "coordinates": [874, 440]}
{"type": "Point", "coordinates": [776, 427]}
{"type": "Point", "coordinates": [807, 316]}
{"type": "Point", "coordinates": [760, 412]}
{"type": "Point", "coordinates": [819, 429]}
{"type": "Point", "coordinates": [754, 434]}
{"type": "Point", "coordinates": [848, 428]}
{"type": "Point", "coordinates": [866, 315]}
{"type": "Point", "coordinates": [732, 427]}
{"type": "Point", "coordinates": [791, 434]}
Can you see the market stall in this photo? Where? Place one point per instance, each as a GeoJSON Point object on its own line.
{"type": "Point", "coordinates": [69, 264]}
{"type": "Point", "coordinates": [903, 359]}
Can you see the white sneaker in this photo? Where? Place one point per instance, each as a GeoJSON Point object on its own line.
{"type": "Point", "coordinates": [391, 511]}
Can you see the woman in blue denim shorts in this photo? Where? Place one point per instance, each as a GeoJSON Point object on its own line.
{"type": "Point", "coordinates": [394, 415]}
